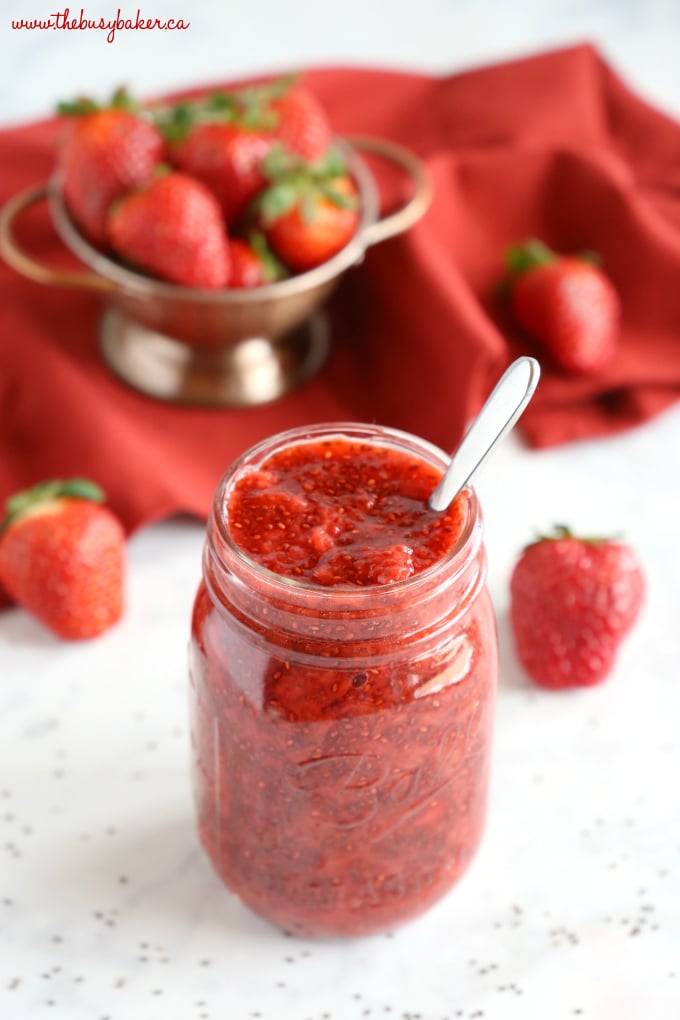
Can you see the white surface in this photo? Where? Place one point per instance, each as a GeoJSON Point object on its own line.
{"type": "Point", "coordinates": [572, 907]}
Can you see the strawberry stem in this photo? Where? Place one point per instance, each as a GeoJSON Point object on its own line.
{"type": "Point", "coordinates": [519, 258]}
{"type": "Point", "coordinates": [81, 488]}
{"type": "Point", "coordinates": [248, 107]}
{"type": "Point", "coordinates": [272, 267]}
{"type": "Point", "coordinates": [82, 105]}
{"type": "Point", "coordinates": [47, 492]}
{"type": "Point", "coordinates": [563, 531]}
{"type": "Point", "coordinates": [295, 181]}
{"type": "Point", "coordinates": [78, 107]}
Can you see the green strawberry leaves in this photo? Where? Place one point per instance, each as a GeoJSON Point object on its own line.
{"type": "Point", "coordinates": [121, 99]}
{"type": "Point", "coordinates": [273, 269]}
{"type": "Point", "coordinates": [175, 122]}
{"type": "Point", "coordinates": [47, 492]}
{"type": "Point", "coordinates": [519, 258]}
{"type": "Point", "coordinates": [295, 181]}
{"type": "Point", "coordinates": [78, 107]}
{"type": "Point", "coordinates": [337, 197]}
{"type": "Point", "coordinates": [247, 108]}
{"type": "Point", "coordinates": [277, 200]}
{"type": "Point", "coordinates": [563, 531]}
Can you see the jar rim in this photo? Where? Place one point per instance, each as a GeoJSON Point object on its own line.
{"type": "Point", "coordinates": [459, 554]}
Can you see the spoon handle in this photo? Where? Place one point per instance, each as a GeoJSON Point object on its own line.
{"type": "Point", "coordinates": [510, 396]}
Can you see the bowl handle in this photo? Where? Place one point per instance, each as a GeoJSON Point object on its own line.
{"type": "Point", "coordinates": [24, 264]}
{"type": "Point", "coordinates": [402, 219]}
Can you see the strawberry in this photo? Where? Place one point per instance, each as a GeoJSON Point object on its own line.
{"type": "Point", "coordinates": [172, 229]}
{"type": "Point", "coordinates": [227, 158]}
{"type": "Point", "coordinates": [106, 153]}
{"type": "Point", "coordinates": [62, 557]}
{"type": "Point", "coordinates": [252, 263]}
{"type": "Point", "coordinates": [223, 138]}
{"type": "Point", "coordinates": [567, 304]}
{"type": "Point", "coordinates": [310, 211]}
{"type": "Point", "coordinates": [572, 601]}
{"type": "Point", "coordinates": [302, 125]}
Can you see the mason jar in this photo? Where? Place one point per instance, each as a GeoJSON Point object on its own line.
{"type": "Point", "coordinates": [341, 714]}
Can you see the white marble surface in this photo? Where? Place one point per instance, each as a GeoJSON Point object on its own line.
{"type": "Point", "coordinates": [108, 909]}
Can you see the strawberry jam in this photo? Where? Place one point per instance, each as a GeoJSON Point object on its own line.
{"type": "Point", "coordinates": [343, 668]}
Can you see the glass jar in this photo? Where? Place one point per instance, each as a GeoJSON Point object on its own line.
{"type": "Point", "coordinates": [341, 736]}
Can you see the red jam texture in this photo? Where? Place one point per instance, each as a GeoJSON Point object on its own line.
{"type": "Point", "coordinates": [341, 765]}
{"type": "Point", "coordinates": [342, 513]}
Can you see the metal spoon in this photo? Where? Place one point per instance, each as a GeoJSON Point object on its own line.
{"type": "Point", "coordinates": [510, 396]}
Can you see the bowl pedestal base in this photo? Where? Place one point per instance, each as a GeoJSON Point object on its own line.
{"type": "Point", "coordinates": [254, 371]}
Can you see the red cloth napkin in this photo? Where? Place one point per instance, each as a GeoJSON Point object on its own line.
{"type": "Point", "coordinates": [553, 146]}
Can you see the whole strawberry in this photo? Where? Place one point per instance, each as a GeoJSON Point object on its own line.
{"type": "Point", "coordinates": [572, 602]}
{"type": "Point", "coordinates": [172, 229]}
{"type": "Point", "coordinates": [310, 210]}
{"type": "Point", "coordinates": [228, 159]}
{"type": "Point", "coordinates": [62, 557]}
{"type": "Point", "coordinates": [567, 303]}
{"type": "Point", "coordinates": [106, 153]}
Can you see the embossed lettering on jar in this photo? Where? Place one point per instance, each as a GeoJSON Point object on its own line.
{"type": "Point", "coordinates": [343, 671]}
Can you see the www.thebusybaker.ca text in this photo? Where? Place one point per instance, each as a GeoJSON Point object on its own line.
{"type": "Point", "coordinates": [64, 21]}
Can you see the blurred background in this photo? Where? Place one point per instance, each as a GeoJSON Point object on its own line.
{"type": "Point", "coordinates": [232, 38]}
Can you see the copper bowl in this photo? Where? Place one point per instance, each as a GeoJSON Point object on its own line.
{"type": "Point", "coordinates": [229, 347]}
